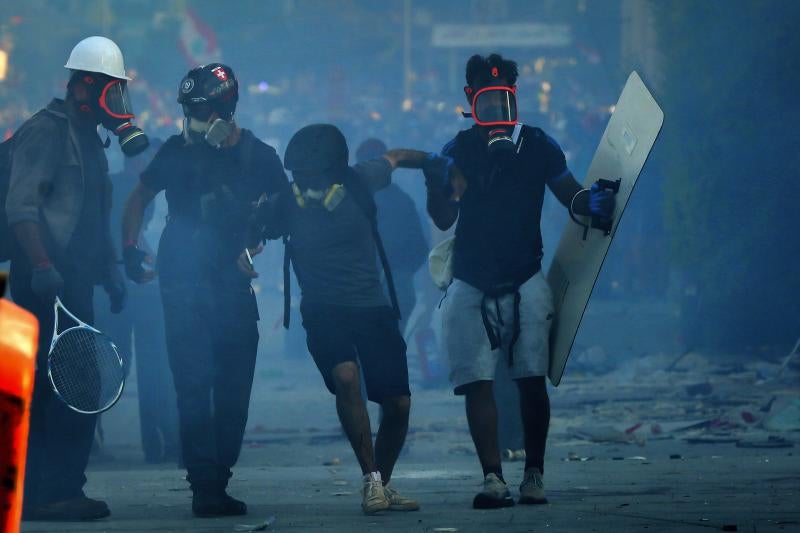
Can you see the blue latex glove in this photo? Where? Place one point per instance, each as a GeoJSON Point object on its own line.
{"type": "Point", "coordinates": [601, 202]}
{"type": "Point", "coordinates": [437, 173]}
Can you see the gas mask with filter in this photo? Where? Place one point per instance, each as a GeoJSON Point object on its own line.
{"type": "Point", "coordinates": [208, 94]}
{"type": "Point", "coordinates": [199, 127]}
{"type": "Point", "coordinates": [494, 108]}
{"type": "Point", "coordinates": [108, 101]}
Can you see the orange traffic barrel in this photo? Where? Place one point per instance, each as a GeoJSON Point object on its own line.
{"type": "Point", "coordinates": [19, 335]}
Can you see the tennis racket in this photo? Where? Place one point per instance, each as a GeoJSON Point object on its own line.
{"type": "Point", "coordinates": [84, 367]}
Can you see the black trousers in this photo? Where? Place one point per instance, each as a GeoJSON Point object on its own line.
{"type": "Point", "coordinates": [139, 329]}
{"type": "Point", "coordinates": [212, 339]}
{"type": "Point", "coordinates": [60, 439]}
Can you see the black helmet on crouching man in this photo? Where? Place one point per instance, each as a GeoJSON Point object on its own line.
{"type": "Point", "coordinates": [208, 95]}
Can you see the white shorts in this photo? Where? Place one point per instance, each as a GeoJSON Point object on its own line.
{"type": "Point", "coordinates": [467, 342]}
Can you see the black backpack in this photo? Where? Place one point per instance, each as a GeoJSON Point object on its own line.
{"type": "Point", "coordinates": [365, 201]}
{"type": "Point", "coordinates": [7, 239]}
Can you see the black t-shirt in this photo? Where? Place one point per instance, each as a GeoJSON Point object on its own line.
{"type": "Point", "coordinates": [333, 252]}
{"type": "Point", "coordinates": [498, 239]}
{"type": "Point", "coordinates": [210, 194]}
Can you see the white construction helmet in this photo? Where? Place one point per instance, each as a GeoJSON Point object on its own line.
{"type": "Point", "coordinates": [98, 54]}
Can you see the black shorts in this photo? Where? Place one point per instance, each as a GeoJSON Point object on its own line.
{"type": "Point", "coordinates": [366, 335]}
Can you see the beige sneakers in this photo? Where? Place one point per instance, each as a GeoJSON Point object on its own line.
{"type": "Point", "coordinates": [494, 494]}
{"type": "Point", "coordinates": [378, 497]}
{"type": "Point", "coordinates": [373, 495]}
{"type": "Point", "coordinates": [531, 491]}
{"type": "Point", "coordinates": [398, 502]}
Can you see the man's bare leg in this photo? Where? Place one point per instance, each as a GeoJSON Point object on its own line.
{"type": "Point", "coordinates": [391, 434]}
{"type": "Point", "coordinates": [482, 420]}
{"type": "Point", "coordinates": [353, 414]}
{"type": "Point", "coordinates": [534, 405]}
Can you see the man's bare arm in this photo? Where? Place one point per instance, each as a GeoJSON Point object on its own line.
{"type": "Point", "coordinates": [132, 219]}
{"type": "Point", "coordinates": [566, 188]}
{"type": "Point", "coordinates": [133, 215]}
{"type": "Point", "coordinates": [405, 158]}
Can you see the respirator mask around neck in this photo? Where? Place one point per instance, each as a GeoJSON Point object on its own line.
{"type": "Point", "coordinates": [317, 191]}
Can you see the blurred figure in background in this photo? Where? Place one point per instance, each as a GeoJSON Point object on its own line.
{"type": "Point", "coordinates": [401, 230]}
{"type": "Point", "coordinates": [58, 208]}
{"type": "Point", "coordinates": [138, 331]}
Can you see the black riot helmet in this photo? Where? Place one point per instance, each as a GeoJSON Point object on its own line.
{"type": "Point", "coordinates": [209, 88]}
{"type": "Point", "coordinates": [316, 153]}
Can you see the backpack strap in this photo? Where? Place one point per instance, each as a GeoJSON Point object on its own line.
{"type": "Point", "coordinates": [366, 202]}
{"type": "Point", "coordinates": [287, 282]}
{"type": "Point", "coordinates": [246, 159]}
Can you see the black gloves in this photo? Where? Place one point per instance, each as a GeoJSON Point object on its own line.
{"type": "Point", "coordinates": [116, 289]}
{"type": "Point", "coordinates": [133, 258]}
{"type": "Point", "coordinates": [268, 220]}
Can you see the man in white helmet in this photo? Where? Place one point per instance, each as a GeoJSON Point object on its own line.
{"type": "Point", "coordinates": [58, 207]}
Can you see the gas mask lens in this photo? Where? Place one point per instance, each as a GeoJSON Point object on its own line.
{"type": "Point", "coordinates": [114, 100]}
{"type": "Point", "coordinates": [117, 115]}
{"type": "Point", "coordinates": [495, 106]}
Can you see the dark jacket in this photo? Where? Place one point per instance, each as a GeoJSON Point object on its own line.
{"type": "Point", "coordinates": [46, 184]}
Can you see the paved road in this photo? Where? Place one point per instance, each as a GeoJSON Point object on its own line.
{"type": "Point", "coordinates": [660, 483]}
{"type": "Point", "coordinates": [753, 492]}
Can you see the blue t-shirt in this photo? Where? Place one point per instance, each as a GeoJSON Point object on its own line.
{"type": "Point", "coordinates": [498, 239]}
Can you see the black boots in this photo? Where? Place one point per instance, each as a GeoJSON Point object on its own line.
{"type": "Point", "coordinates": [209, 502]}
{"type": "Point", "coordinates": [73, 509]}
